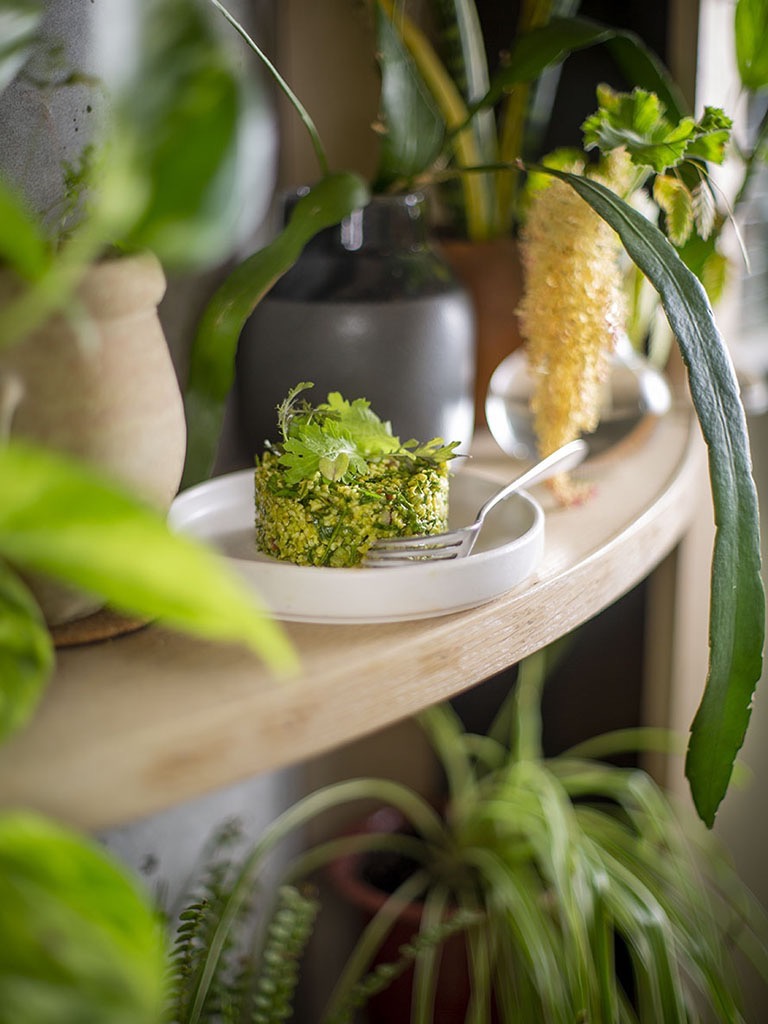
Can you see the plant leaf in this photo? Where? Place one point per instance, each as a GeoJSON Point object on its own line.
{"type": "Point", "coordinates": [212, 360]}
{"type": "Point", "coordinates": [737, 605]}
{"type": "Point", "coordinates": [177, 115]}
{"type": "Point", "coordinates": [59, 518]}
{"type": "Point", "coordinates": [19, 20]}
{"type": "Point", "coordinates": [78, 940]}
{"type": "Point", "coordinates": [412, 127]}
{"type": "Point", "coordinates": [550, 44]}
{"type": "Point", "coordinates": [751, 25]}
{"type": "Point", "coordinates": [22, 244]}
{"type": "Point", "coordinates": [704, 210]}
{"type": "Point", "coordinates": [675, 200]}
{"type": "Point", "coordinates": [26, 653]}
{"type": "Point", "coordinates": [636, 121]}
{"type": "Point", "coordinates": [641, 67]}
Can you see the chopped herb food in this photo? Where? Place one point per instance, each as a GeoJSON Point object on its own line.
{"type": "Point", "coordinates": [340, 479]}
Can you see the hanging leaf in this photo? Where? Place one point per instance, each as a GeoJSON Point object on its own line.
{"type": "Point", "coordinates": [412, 128]}
{"type": "Point", "coordinates": [26, 653]}
{"type": "Point", "coordinates": [737, 604]}
{"type": "Point", "coordinates": [59, 518]}
{"type": "Point", "coordinates": [675, 200]}
{"type": "Point", "coordinates": [704, 209]}
{"type": "Point", "coordinates": [212, 362]}
{"type": "Point", "coordinates": [19, 21]}
{"type": "Point", "coordinates": [751, 25]}
{"type": "Point", "coordinates": [78, 940]}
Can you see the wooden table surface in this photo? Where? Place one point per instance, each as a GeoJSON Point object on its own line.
{"type": "Point", "coordinates": [133, 725]}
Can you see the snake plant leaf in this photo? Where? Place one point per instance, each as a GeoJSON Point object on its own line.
{"type": "Point", "coordinates": [212, 360]}
{"type": "Point", "coordinates": [19, 21]}
{"type": "Point", "coordinates": [751, 26]}
{"type": "Point", "coordinates": [412, 128]}
{"type": "Point", "coordinates": [737, 601]}
{"type": "Point", "coordinates": [79, 940]}
{"type": "Point", "coordinates": [176, 117]}
{"type": "Point", "coordinates": [26, 653]}
{"type": "Point", "coordinates": [60, 518]}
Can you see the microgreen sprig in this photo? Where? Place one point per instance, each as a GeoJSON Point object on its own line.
{"type": "Point", "coordinates": [339, 439]}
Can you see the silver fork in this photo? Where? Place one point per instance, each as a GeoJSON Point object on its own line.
{"type": "Point", "coordinates": [393, 551]}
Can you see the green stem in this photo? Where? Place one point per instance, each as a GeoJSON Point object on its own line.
{"type": "Point", "coordinates": [526, 745]}
{"type": "Point", "coordinates": [298, 106]}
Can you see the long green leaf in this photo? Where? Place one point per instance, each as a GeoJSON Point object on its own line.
{"type": "Point", "coordinates": [19, 20]}
{"type": "Point", "coordinates": [177, 114]}
{"type": "Point", "coordinates": [22, 243]}
{"type": "Point", "coordinates": [737, 607]}
{"type": "Point", "coordinates": [212, 361]}
{"type": "Point", "coordinates": [79, 941]}
{"type": "Point", "coordinates": [413, 129]}
{"type": "Point", "coordinates": [549, 45]}
{"type": "Point", "coordinates": [26, 653]}
{"type": "Point", "coordinates": [751, 26]}
{"type": "Point", "coordinates": [60, 518]}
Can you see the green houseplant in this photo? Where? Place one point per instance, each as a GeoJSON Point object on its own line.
{"type": "Point", "coordinates": [551, 867]}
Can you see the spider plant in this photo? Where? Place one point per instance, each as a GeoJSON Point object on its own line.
{"type": "Point", "coordinates": [553, 868]}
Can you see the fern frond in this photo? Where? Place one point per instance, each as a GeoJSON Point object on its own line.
{"type": "Point", "coordinates": [197, 923]}
{"type": "Point", "coordinates": [287, 936]}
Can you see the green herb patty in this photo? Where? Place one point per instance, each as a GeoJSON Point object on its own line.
{"type": "Point", "coordinates": [340, 480]}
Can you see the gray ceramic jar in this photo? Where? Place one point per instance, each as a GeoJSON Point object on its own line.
{"type": "Point", "coordinates": [373, 311]}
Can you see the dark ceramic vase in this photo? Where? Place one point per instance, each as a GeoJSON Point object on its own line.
{"type": "Point", "coordinates": [372, 310]}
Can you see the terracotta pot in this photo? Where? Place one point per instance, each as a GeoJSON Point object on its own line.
{"type": "Point", "coordinates": [102, 388]}
{"type": "Point", "coordinates": [492, 274]}
{"type": "Point", "coordinates": [394, 1003]}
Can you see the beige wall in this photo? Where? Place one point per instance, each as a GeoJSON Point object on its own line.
{"type": "Point", "coordinates": [326, 53]}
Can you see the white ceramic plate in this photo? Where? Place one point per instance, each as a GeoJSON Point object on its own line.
{"type": "Point", "coordinates": [220, 512]}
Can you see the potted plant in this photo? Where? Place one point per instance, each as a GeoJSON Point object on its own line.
{"type": "Point", "coordinates": [576, 888]}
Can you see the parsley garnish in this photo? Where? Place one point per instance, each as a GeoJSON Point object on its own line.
{"type": "Point", "coordinates": [339, 439]}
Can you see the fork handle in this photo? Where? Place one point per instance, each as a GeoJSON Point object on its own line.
{"type": "Point", "coordinates": [561, 460]}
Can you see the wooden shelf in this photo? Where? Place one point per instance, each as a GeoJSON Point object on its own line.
{"type": "Point", "coordinates": [133, 725]}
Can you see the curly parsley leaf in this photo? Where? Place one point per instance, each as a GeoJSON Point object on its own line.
{"type": "Point", "coordinates": [324, 447]}
{"type": "Point", "coordinates": [433, 451]}
{"type": "Point", "coordinates": [372, 436]}
{"type": "Point", "coordinates": [339, 439]}
{"type": "Point", "coordinates": [637, 121]}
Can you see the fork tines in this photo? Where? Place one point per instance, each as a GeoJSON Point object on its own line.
{"type": "Point", "coordinates": [402, 550]}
